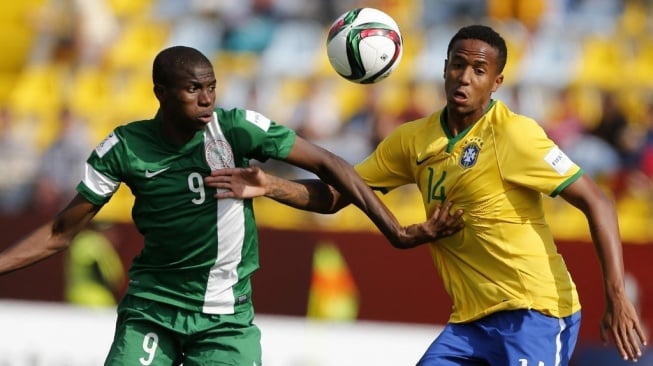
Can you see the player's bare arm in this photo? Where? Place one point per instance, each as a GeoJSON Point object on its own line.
{"type": "Point", "coordinates": [317, 196]}
{"type": "Point", "coordinates": [50, 238]}
{"type": "Point", "coordinates": [308, 195]}
{"type": "Point", "coordinates": [620, 320]}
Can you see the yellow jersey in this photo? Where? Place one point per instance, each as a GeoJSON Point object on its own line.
{"type": "Point", "coordinates": [496, 170]}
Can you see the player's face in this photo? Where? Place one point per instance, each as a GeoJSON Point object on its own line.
{"type": "Point", "coordinates": [470, 77]}
{"type": "Point", "coordinates": [190, 99]}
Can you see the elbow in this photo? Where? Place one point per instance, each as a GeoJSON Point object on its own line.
{"type": "Point", "coordinates": [59, 243]}
{"type": "Point", "coordinates": [399, 244]}
{"type": "Point", "coordinates": [328, 210]}
{"type": "Point", "coordinates": [339, 201]}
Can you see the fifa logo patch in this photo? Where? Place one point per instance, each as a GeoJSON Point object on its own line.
{"type": "Point", "coordinates": [470, 152]}
{"type": "Point", "coordinates": [219, 155]}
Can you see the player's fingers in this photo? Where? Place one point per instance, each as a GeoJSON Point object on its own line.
{"type": "Point", "coordinates": [225, 171]}
{"type": "Point", "coordinates": [436, 214]}
{"type": "Point", "coordinates": [633, 345]}
{"type": "Point", "coordinates": [618, 333]}
{"type": "Point", "coordinates": [641, 334]}
{"type": "Point", "coordinates": [444, 211]}
{"type": "Point", "coordinates": [217, 179]}
{"type": "Point", "coordinates": [225, 194]}
{"type": "Point", "coordinates": [603, 332]}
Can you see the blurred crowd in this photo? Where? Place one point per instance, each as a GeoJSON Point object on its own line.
{"type": "Point", "coordinates": [74, 69]}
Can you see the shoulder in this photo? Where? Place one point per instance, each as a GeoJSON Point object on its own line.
{"type": "Point", "coordinates": [414, 138]}
{"type": "Point", "coordinates": [134, 127]}
{"type": "Point", "coordinates": [123, 134]}
{"type": "Point", "coordinates": [418, 134]}
{"type": "Point", "coordinates": [419, 127]}
{"type": "Point", "coordinates": [507, 123]}
{"type": "Point", "coordinates": [239, 117]}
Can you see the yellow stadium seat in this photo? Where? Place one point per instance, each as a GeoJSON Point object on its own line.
{"type": "Point", "coordinates": [7, 83]}
{"type": "Point", "coordinates": [137, 46]}
{"type": "Point", "coordinates": [642, 64]}
{"type": "Point", "coordinates": [600, 62]}
{"type": "Point", "coordinates": [130, 8]}
{"type": "Point", "coordinates": [16, 43]}
{"type": "Point", "coordinates": [38, 95]}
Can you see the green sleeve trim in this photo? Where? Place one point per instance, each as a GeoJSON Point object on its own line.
{"type": "Point", "coordinates": [567, 182]}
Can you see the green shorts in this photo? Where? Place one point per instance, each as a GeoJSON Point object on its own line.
{"type": "Point", "coordinates": [150, 333]}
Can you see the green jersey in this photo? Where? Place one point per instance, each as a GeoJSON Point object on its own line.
{"type": "Point", "coordinates": [199, 252]}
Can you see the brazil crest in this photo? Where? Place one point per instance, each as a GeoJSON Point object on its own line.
{"type": "Point", "coordinates": [471, 150]}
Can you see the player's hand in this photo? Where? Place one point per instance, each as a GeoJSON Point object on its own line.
{"type": "Point", "coordinates": [238, 182]}
{"type": "Point", "coordinates": [620, 322]}
{"type": "Point", "coordinates": [441, 224]}
{"type": "Point", "coordinates": [444, 223]}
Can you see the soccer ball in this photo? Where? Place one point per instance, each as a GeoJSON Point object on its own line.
{"type": "Point", "coordinates": [364, 45]}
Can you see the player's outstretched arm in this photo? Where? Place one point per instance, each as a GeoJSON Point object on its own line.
{"type": "Point", "coordinates": [50, 238]}
{"type": "Point", "coordinates": [620, 319]}
{"type": "Point", "coordinates": [308, 195]}
{"type": "Point", "coordinates": [318, 196]}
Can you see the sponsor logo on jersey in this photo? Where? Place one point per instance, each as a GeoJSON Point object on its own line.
{"type": "Point", "coordinates": [471, 149]}
{"type": "Point", "coordinates": [106, 144]}
{"type": "Point", "coordinates": [219, 154]}
{"type": "Point", "coordinates": [558, 160]}
{"type": "Point", "coordinates": [151, 174]}
{"type": "Point", "coordinates": [258, 119]}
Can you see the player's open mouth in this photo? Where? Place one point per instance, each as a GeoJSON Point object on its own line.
{"type": "Point", "coordinates": [459, 97]}
{"type": "Point", "coordinates": [206, 118]}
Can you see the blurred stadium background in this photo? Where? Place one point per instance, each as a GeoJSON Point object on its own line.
{"type": "Point", "coordinates": [72, 70]}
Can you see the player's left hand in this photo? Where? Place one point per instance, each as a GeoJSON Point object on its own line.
{"type": "Point", "coordinates": [238, 182]}
{"type": "Point", "coordinates": [621, 323]}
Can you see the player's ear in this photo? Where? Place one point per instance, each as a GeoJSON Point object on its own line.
{"type": "Point", "coordinates": [444, 70]}
{"type": "Point", "coordinates": [497, 83]}
{"type": "Point", "coordinates": [159, 91]}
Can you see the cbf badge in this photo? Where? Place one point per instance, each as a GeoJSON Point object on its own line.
{"type": "Point", "coordinates": [471, 149]}
{"type": "Point", "coordinates": [219, 154]}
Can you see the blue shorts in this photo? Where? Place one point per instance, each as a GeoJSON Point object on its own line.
{"type": "Point", "coordinates": [519, 337]}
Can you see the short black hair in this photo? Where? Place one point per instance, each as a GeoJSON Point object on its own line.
{"type": "Point", "coordinates": [169, 61]}
{"type": "Point", "coordinates": [485, 34]}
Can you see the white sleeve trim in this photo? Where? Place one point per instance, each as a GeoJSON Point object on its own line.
{"type": "Point", "coordinates": [98, 182]}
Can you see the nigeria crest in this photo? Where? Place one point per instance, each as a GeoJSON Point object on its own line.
{"type": "Point", "coordinates": [219, 154]}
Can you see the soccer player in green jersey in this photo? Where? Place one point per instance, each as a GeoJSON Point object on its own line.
{"type": "Point", "coordinates": [189, 294]}
{"type": "Point", "coordinates": [514, 300]}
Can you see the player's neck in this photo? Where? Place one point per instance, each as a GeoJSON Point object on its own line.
{"type": "Point", "coordinates": [458, 121]}
{"type": "Point", "coordinates": [174, 135]}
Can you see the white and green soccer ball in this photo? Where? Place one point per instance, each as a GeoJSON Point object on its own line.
{"type": "Point", "coordinates": [364, 45]}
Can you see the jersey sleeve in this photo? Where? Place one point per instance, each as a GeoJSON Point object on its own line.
{"type": "Point", "coordinates": [254, 136]}
{"type": "Point", "coordinates": [528, 157]}
{"type": "Point", "coordinates": [102, 173]}
{"type": "Point", "coordinates": [389, 165]}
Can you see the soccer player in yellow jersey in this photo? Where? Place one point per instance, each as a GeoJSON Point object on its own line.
{"type": "Point", "coordinates": [514, 300]}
